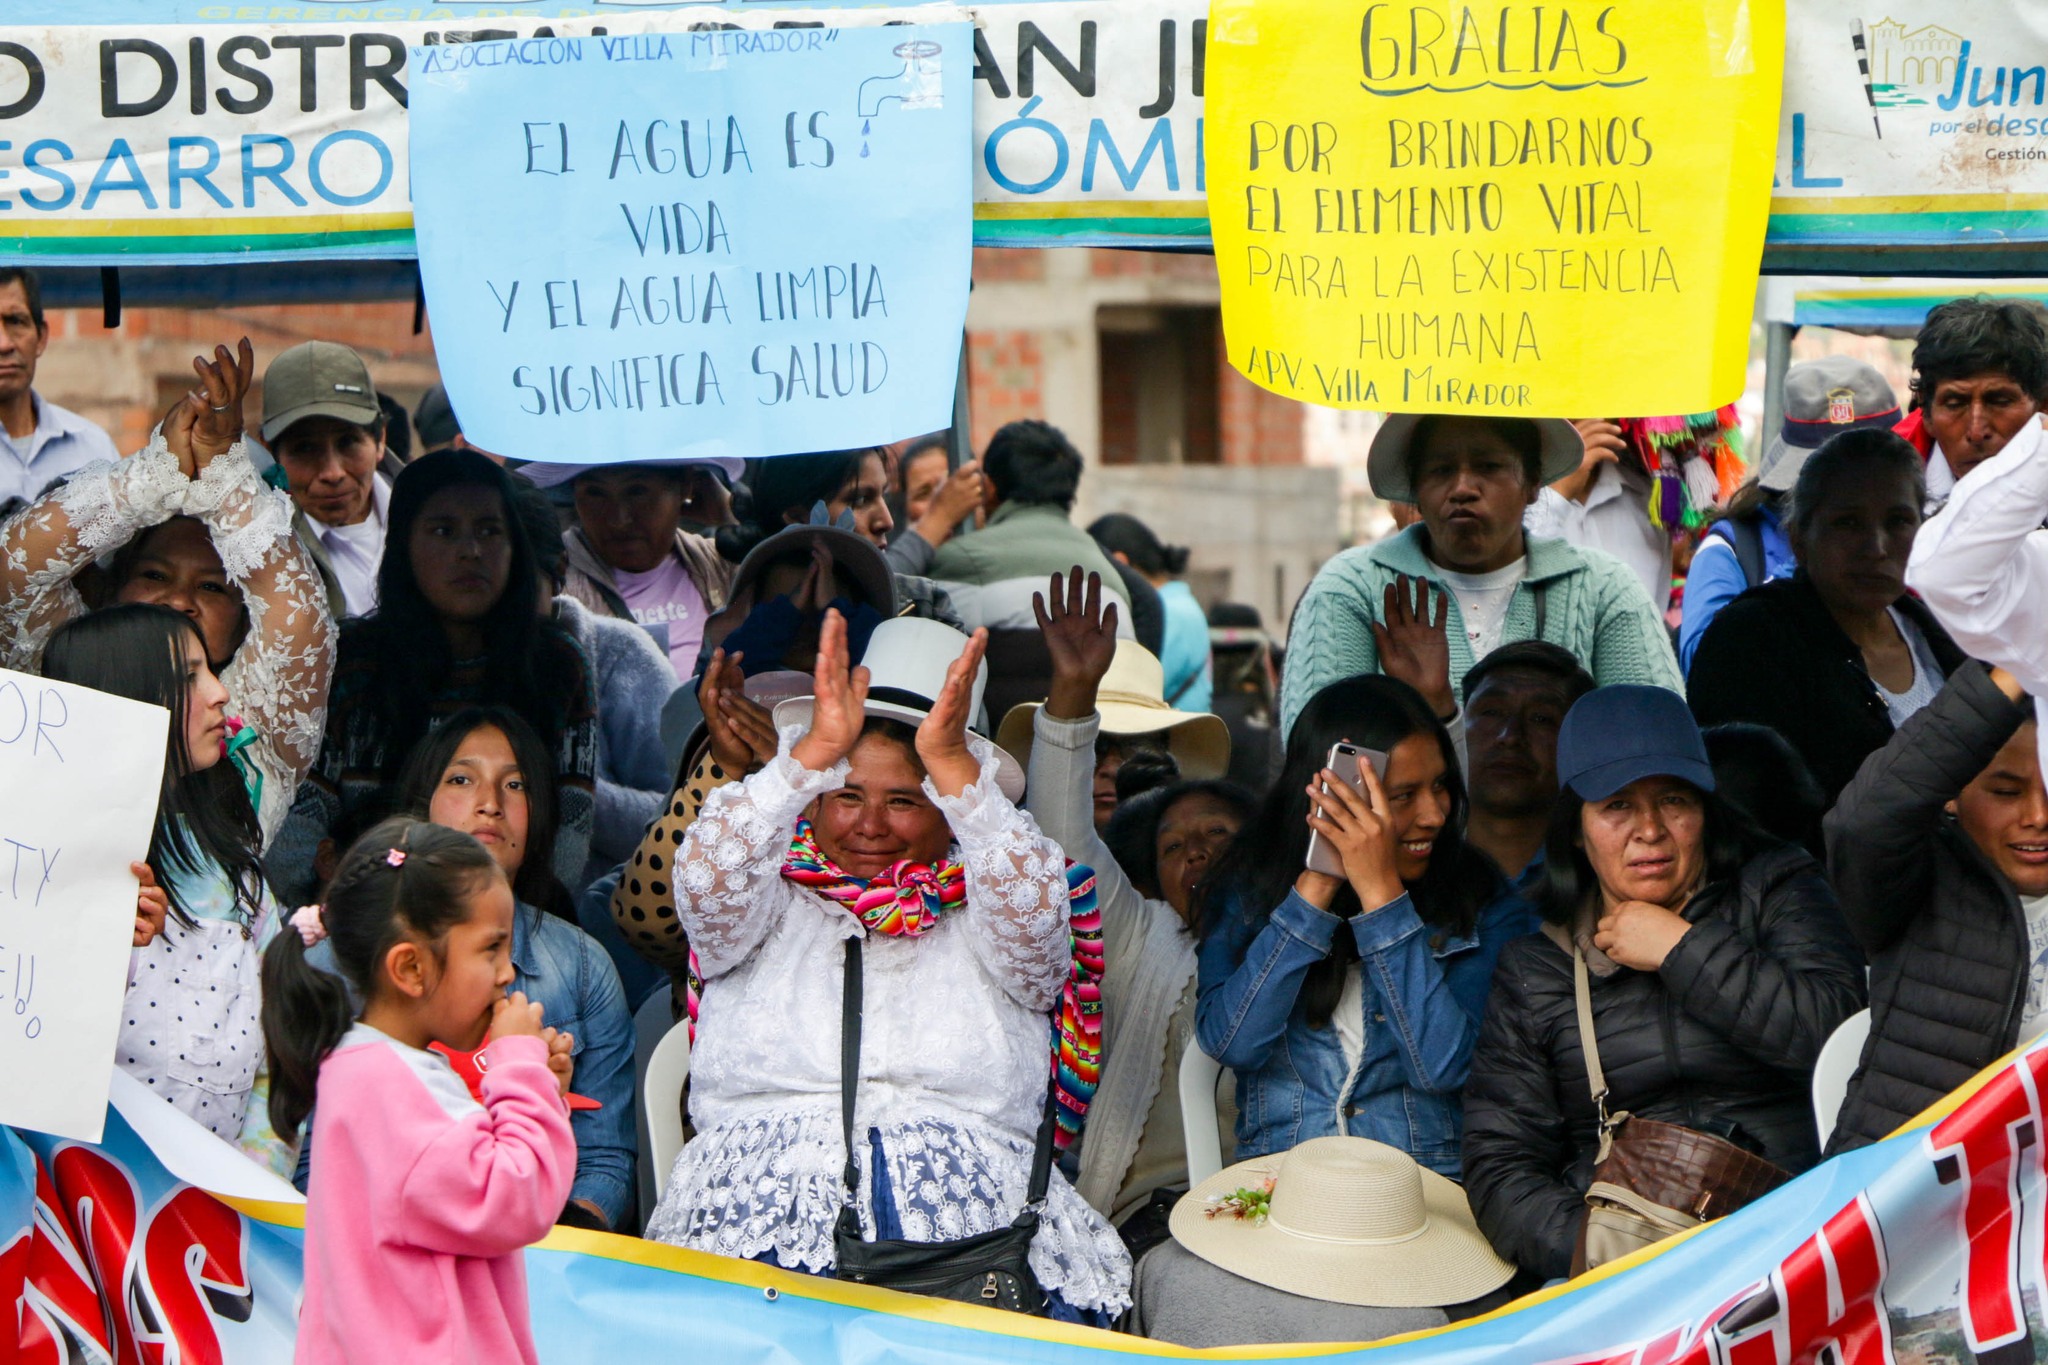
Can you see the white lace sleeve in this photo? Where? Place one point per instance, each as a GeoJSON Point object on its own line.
{"type": "Point", "coordinates": [43, 547]}
{"type": "Point", "coordinates": [279, 675]}
{"type": "Point", "coordinates": [1016, 887]}
{"type": "Point", "coordinates": [727, 870]}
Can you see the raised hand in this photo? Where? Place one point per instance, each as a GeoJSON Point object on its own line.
{"type": "Point", "coordinates": [743, 738]}
{"type": "Point", "coordinates": [1080, 634]}
{"type": "Point", "coordinates": [152, 905]}
{"type": "Point", "coordinates": [955, 501]}
{"type": "Point", "coordinates": [942, 738]}
{"type": "Point", "coordinates": [1413, 644]}
{"type": "Point", "coordinates": [1357, 825]}
{"type": "Point", "coordinates": [840, 698]}
{"type": "Point", "coordinates": [205, 424]}
{"type": "Point", "coordinates": [1605, 444]}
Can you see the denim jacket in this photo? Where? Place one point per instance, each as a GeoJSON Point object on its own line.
{"type": "Point", "coordinates": [563, 968]}
{"type": "Point", "coordinates": [1423, 993]}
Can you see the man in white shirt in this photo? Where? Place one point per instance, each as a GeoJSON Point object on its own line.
{"type": "Point", "coordinates": [323, 426]}
{"type": "Point", "coordinates": [1605, 505]}
{"type": "Point", "coordinates": [1980, 367]}
{"type": "Point", "coordinates": [40, 442]}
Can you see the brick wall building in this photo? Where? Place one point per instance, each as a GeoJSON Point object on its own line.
{"type": "Point", "coordinates": [1123, 350]}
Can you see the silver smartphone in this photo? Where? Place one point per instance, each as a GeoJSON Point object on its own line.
{"type": "Point", "coordinates": [1345, 760]}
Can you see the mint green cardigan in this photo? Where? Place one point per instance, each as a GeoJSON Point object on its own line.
{"type": "Point", "coordinates": [1593, 605]}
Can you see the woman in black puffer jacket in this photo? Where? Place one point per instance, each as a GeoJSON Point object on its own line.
{"type": "Point", "coordinates": [1719, 961]}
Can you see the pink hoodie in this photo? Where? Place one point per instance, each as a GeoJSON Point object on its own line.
{"type": "Point", "coordinates": [421, 1200]}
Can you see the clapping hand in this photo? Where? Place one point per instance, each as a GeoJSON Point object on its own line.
{"type": "Point", "coordinates": [743, 738]}
{"type": "Point", "coordinates": [839, 701]}
{"type": "Point", "coordinates": [1413, 641]}
{"type": "Point", "coordinates": [1080, 634]}
{"type": "Point", "coordinates": [206, 423]}
{"type": "Point", "coordinates": [942, 737]}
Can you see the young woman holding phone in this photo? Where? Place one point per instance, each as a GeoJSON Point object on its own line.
{"type": "Point", "coordinates": [1348, 1004]}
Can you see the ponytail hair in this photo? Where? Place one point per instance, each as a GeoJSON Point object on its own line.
{"type": "Point", "coordinates": [405, 877]}
{"type": "Point", "coordinates": [1122, 533]}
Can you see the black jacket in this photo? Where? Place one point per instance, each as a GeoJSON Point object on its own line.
{"type": "Point", "coordinates": [1946, 936]}
{"type": "Point", "coordinates": [1774, 656]}
{"type": "Point", "coordinates": [1725, 1031]}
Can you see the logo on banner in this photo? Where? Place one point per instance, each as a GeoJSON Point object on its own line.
{"type": "Point", "coordinates": [1911, 67]}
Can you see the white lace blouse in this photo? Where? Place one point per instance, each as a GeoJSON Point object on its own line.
{"type": "Point", "coordinates": [278, 679]}
{"type": "Point", "coordinates": [954, 1043]}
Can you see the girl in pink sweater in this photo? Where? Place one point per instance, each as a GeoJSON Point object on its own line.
{"type": "Point", "coordinates": [421, 1198]}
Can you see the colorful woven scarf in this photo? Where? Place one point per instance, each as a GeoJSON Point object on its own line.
{"type": "Point", "coordinates": [907, 900]}
{"type": "Point", "coordinates": [910, 899]}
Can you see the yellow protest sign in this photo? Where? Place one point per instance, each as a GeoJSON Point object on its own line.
{"type": "Point", "coordinates": [1545, 210]}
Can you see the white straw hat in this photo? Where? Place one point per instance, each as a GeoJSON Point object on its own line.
{"type": "Point", "coordinates": [907, 658]}
{"type": "Point", "coordinates": [1132, 700]}
{"type": "Point", "coordinates": [1351, 1221]}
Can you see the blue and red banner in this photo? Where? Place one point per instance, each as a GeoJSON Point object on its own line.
{"type": "Point", "coordinates": [1926, 1247]}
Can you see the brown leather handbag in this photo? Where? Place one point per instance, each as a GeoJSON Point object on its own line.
{"type": "Point", "coordinates": [1654, 1180]}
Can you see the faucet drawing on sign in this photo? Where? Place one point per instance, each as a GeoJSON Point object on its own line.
{"type": "Point", "coordinates": [915, 85]}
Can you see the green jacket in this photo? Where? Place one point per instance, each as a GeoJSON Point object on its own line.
{"type": "Point", "coordinates": [992, 572]}
{"type": "Point", "coordinates": [1593, 605]}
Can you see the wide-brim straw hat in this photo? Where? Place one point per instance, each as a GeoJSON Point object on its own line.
{"type": "Point", "coordinates": [907, 658]}
{"type": "Point", "coordinates": [1132, 701]}
{"type": "Point", "coordinates": [1351, 1221]}
{"type": "Point", "coordinates": [1387, 465]}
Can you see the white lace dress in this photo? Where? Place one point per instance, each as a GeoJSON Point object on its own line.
{"type": "Point", "coordinates": [278, 679]}
{"type": "Point", "coordinates": [954, 1044]}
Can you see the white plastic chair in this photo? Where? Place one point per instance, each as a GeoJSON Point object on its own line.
{"type": "Point", "coordinates": [1833, 1069]}
{"type": "Point", "coordinates": [661, 1104]}
{"type": "Point", "coordinates": [1199, 1073]}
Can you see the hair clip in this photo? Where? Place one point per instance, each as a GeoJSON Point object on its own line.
{"type": "Point", "coordinates": [310, 923]}
{"type": "Point", "coordinates": [395, 858]}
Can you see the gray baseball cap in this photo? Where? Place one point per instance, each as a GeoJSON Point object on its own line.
{"type": "Point", "coordinates": [318, 379]}
{"type": "Point", "coordinates": [1824, 398]}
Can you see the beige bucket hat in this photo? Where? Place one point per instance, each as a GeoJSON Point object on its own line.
{"type": "Point", "coordinates": [1132, 700]}
{"type": "Point", "coordinates": [1351, 1221]}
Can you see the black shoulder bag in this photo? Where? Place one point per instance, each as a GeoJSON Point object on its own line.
{"type": "Point", "coordinates": [993, 1268]}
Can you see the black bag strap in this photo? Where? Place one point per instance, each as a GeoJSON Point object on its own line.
{"type": "Point", "coordinates": [1746, 538]}
{"type": "Point", "coordinates": [849, 1079]}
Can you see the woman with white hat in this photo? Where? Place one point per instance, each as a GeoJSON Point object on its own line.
{"type": "Point", "coordinates": [1134, 1143]}
{"type": "Point", "coordinates": [1340, 1239]}
{"type": "Point", "coordinates": [881, 848]}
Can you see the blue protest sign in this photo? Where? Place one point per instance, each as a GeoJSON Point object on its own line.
{"type": "Point", "coordinates": [720, 242]}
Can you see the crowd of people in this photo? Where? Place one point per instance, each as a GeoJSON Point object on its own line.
{"type": "Point", "coordinates": [947, 827]}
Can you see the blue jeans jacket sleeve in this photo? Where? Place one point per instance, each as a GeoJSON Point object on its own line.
{"type": "Point", "coordinates": [606, 1143]}
{"type": "Point", "coordinates": [1433, 1029]}
{"type": "Point", "coordinates": [1249, 981]}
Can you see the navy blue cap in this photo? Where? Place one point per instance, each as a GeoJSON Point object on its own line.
{"type": "Point", "coordinates": [1622, 734]}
